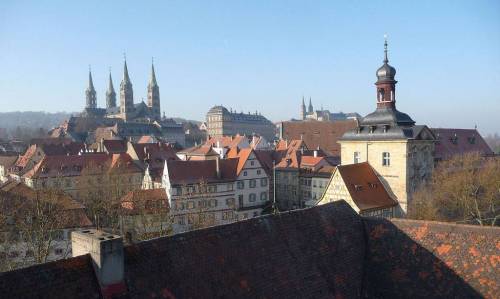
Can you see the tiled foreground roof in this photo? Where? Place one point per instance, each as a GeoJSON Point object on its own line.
{"type": "Point", "coordinates": [322, 252]}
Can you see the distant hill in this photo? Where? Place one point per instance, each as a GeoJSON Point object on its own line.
{"type": "Point", "coordinates": [31, 119]}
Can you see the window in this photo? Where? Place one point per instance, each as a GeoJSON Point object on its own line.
{"type": "Point", "coordinates": [241, 184]}
{"type": "Point", "coordinates": [253, 183]}
{"type": "Point", "coordinates": [252, 197]}
{"type": "Point", "coordinates": [180, 220]}
{"type": "Point", "coordinates": [240, 200]}
{"type": "Point", "coordinates": [259, 171]}
{"type": "Point", "coordinates": [357, 156]}
{"type": "Point", "coordinates": [245, 173]}
{"type": "Point", "coordinates": [263, 182]}
{"type": "Point", "coordinates": [58, 251]}
{"type": "Point", "coordinates": [252, 163]}
{"type": "Point", "coordinates": [230, 202]}
{"type": "Point", "coordinates": [190, 205]}
{"type": "Point", "coordinates": [386, 159]}
{"type": "Point", "coordinates": [213, 203]}
{"type": "Point", "coordinates": [230, 187]}
{"type": "Point", "coordinates": [227, 215]}
{"type": "Point", "coordinates": [263, 196]}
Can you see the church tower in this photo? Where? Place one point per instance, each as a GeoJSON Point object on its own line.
{"type": "Point", "coordinates": [110, 94]}
{"type": "Point", "coordinates": [310, 109]}
{"type": "Point", "coordinates": [154, 95]}
{"type": "Point", "coordinates": [126, 95]}
{"type": "Point", "coordinates": [400, 152]}
{"type": "Point", "coordinates": [90, 94]}
{"type": "Point", "coordinates": [386, 85]}
{"type": "Point", "coordinates": [303, 110]}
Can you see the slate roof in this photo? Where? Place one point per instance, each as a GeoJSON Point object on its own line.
{"type": "Point", "coordinates": [326, 251]}
{"type": "Point", "coordinates": [451, 142]}
{"type": "Point", "coordinates": [322, 134]}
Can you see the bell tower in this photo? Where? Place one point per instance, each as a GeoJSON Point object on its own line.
{"type": "Point", "coordinates": [386, 84]}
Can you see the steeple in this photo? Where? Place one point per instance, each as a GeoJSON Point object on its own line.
{"type": "Point", "coordinates": [110, 94]}
{"type": "Point", "coordinates": [303, 109]}
{"type": "Point", "coordinates": [386, 84]}
{"type": "Point", "coordinates": [90, 93]}
{"type": "Point", "coordinates": [310, 109]}
{"type": "Point", "coordinates": [126, 94]}
{"type": "Point", "coordinates": [154, 95]}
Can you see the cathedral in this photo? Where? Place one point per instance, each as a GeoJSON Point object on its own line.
{"type": "Point", "coordinates": [128, 110]}
{"type": "Point", "coordinates": [323, 115]}
{"type": "Point", "coordinates": [131, 121]}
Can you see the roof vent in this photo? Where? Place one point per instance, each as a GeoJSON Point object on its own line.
{"type": "Point", "coordinates": [358, 187]}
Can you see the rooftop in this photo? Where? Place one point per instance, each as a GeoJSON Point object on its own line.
{"type": "Point", "coordinates": [322, 252]}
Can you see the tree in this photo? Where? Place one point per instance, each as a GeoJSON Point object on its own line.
{"type": "Point", "coordinates": [463, 189]}
{"type": "Point", "coordinates": [30, 226]}
{"type": "Point", "coordinates": [145, 216]}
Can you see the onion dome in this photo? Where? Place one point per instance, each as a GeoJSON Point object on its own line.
{"type": "Point", "coordinates": [386, 72]}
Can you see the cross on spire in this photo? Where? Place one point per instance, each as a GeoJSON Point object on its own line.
{"type": "Point", "coordinates": [386, 60]}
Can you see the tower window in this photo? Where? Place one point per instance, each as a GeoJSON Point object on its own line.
{"type": "Point", "coordinates": [357, 156]}
{"type": "Point", "coordinates": [386, 159]}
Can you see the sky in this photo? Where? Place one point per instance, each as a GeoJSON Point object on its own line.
{"type": "Point", "coordinates": [257, 56]}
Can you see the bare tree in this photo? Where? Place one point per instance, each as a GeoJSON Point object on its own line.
{"type": "Point", "coordinates": [463, 189]}
{"type": "Point", "coordinates": [146, 218]}
{"type": "Point", "coordinates": [32, 224]}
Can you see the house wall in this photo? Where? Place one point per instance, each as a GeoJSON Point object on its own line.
{"type": "Point", "coordinates": [408, 158]}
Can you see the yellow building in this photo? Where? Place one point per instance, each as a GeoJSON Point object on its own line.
{"type": "Point", "coordinates": [400, 152]}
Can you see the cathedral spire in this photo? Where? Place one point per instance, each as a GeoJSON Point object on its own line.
{"type": "Point", "coordinates": [154, 94]}
{"type": "Point", "coordinates": [125, 72]}
{"type": "Point", "coordinates": [110, 93]}
{"type": "Point", "coordinates": [126, 94]}
{"type": "Point", "coordinates": [152, 80]}
{"type": "Point", "coordinates": [90, 93]}
{"type": "Point", "coordinates": [310, 108]}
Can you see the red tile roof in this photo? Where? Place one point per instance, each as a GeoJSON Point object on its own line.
{"type": "Point", "coordinates": [73, 212]}
{"type": "Point", "coordinates": [75, 165]}
{"type": "Point", "coordinates": [226, 141]}
{"type": "Point", "coordinates": [451, 142]}
{"type": "Point", "coordinates": [136, 200]}
{"type": "Point", "coordinates": [322, 134]}
{"type": "Point", "coordinates": [186, 172]}
{"type": "Point", "coordinates": [365, 187]}
{"type": "Point", "coordinates": [326, 251]}
{"type": "Point", "coordinates": [199, 150]}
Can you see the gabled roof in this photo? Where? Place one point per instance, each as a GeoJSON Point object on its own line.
{"type": "Point", "coordinates": [365, 187]}
{"type": "Point", "coordinates": [115, 146]}
{"type": "Point", "coordinates": [199, 150]}
{"type": "Point", "coordinates": [196, 171]}
{"type": "Point", "coordinates": [138, 200]}
{"type": "Point", "coordinates": [75, 165]}
{"type": "Point", "coordinates": [8, 161]}
{"type": "Point", "coordinates": [451, 142]}
{"type": "Point", "coordinates": [19, 196]}
{"type": "Point", "coordinates": [322, 134]}
{"type": "Point", "coordinates": [227, 141]}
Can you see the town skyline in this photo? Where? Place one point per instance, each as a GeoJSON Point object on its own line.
{"type": "Point", "coordinates": [266, 67]}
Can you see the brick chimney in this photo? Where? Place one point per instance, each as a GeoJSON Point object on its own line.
{"type": "Point", "coordinates": [106, 251]}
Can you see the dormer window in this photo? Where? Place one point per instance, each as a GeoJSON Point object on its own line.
{"type": "Point", "coordinates": [472, 140]}
{"type": "Point", "coordinates": [372, 129]}
{"type": "Point", "coordinates": [454, 139]}
{"type": "Point", "coordinates": [386, 128]}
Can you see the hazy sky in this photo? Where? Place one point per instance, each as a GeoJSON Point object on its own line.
{"type": "Point", "coordinates": [258, 55]}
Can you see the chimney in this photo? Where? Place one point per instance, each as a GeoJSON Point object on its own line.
{"type": "Point", "coordinates": [106, 251]}
{"type": "Point", "coordinates": [217, 166]}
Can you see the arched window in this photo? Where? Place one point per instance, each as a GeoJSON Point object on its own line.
{"type": "Point", "coordinates": [380, 94]}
